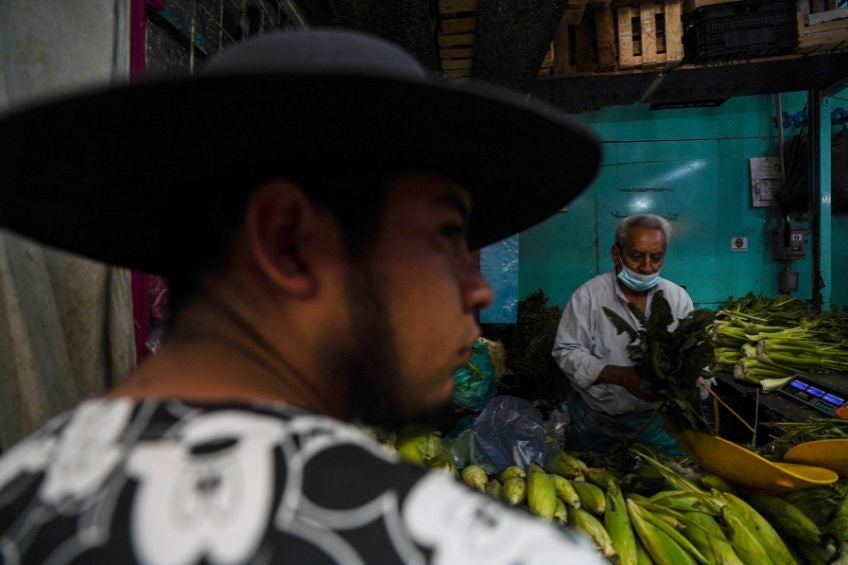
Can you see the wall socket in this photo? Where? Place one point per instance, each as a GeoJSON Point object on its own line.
{"type": "Point", "coordinates": [739, 243]}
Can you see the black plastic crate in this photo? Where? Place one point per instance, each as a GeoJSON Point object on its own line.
{"type": "Point", "coordinates": [740, 30]}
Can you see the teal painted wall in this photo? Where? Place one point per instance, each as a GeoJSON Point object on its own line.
{"type": "Point", "coordinates": [690, 166]}
{"type": "Point", "coordinates": [839, 254]}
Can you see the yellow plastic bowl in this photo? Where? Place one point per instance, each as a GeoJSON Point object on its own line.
{"type": "Point", "coordinates": [735, 463]}
{"type": "Point", "coordinates": [827, 453]}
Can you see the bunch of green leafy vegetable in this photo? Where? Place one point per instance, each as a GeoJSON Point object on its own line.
{"type": "Point", "coordinates": [670, 363]}
{"type": "Point", "coordinates": [536, 375]}
{"type": "Point", "coordinates": [767, 340]}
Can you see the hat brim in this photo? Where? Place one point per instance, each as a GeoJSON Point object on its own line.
{"type": "Point", "coordinates": [117, 175]}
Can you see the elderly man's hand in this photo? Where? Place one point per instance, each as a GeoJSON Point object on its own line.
{"type": "Point", "coordinates": [626, 377]}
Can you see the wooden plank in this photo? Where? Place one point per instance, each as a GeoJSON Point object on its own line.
{"type": "Point", "coordinates": [457, 73]}
{"type": "Point", "coordinates": [695, 4]}
{"type": "Point", "coordinates": [456, 6]}
{"type": "Point", "coordinates": [456, 40]}
{"type": "Point", "coordinates": [605, 35]}
{"type": "Point", "coordinates": [647, 22]}
{"type": "Point", "coordinates": [562, 49]}
{"type": "Point", "coordinates": [626, 55]}
{"type": "Point", "coordinates": [673, 31]}
{"type": "Point", "coordinates": [573, 15]}
{"type": "Point", "coordinates": [817, 6]}
{"type": "Point", "coordinates": [450, 64]}
{"type": "Point", "coordinates": [456, 53]}
{"type": "Point", "coordinates": [458, 25]}
{"type": "Point", "coordinates": [824, 37]}
{"type": "Point", "coordinates": [835, 25]}
{"type": "Point", "coordinates": [829, 16]}
{"type": "Point", "coordinates": [659, 15]}
{"type": "Point", "coordinates": [583, 46]}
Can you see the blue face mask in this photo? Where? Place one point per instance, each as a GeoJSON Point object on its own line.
{"type": "Point", "coordinates": [636, 282]}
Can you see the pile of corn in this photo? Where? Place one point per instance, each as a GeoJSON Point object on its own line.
{"type": "Point", "coordinates": [664, 519]}
{"type": "Point", "coordinates": [688, 523]}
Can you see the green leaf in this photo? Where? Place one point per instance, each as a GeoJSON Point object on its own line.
{"type": "Point", "coordinates": [661, 316]}
{"type": "Point", "coordinates": [621, 324]}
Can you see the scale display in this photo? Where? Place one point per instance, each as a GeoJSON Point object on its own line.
{"type": "Point", "coordinates": [825, 393]}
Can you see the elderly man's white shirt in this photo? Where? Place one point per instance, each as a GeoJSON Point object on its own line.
{"type": "Point", "coordinates": [587, 341]}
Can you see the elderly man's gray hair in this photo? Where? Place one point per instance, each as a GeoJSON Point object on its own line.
{"type": "Point", "coordinates": [650, 221]}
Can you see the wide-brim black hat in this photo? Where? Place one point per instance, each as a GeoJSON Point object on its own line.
{"type": "Point", "coordinates": [119, 174]}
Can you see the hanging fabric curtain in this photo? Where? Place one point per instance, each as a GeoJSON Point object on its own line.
{"type": "Point", "coordinates": [66, 327]}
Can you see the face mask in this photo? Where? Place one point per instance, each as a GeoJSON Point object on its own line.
{"type": "Point", "coordinates": [636, 282]}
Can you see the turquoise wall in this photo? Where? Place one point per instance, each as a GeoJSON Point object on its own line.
{"type": "Point", "coordinates": [839, 253]}
{"type": "Point", "coordinates": [690, 166]}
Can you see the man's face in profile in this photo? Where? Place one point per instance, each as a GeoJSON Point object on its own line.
{"type": "Point", "coordinates": [412, 305]}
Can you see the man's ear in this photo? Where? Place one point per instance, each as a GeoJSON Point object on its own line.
{"type": "Point", "coordinates": [279, 221]}
{"type": "Point", "coordinates": [615, 253]}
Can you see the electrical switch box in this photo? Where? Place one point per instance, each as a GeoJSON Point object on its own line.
{"type": "Point", "coordinates": [792, 247]}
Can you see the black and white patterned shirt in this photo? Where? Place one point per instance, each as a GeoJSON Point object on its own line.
{"type": "Point", "coordinates": [165, 482]}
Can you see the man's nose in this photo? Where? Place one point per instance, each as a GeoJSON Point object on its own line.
{"type": "Point", "coordinates": [476, 292]}
{"type": "Point", "coordinates": [647, 266]}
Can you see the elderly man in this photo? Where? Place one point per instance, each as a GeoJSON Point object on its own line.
{"type": "Point", "coordinates": [607, 404]}
{"type": "Point", "coordinates": [313, 204]}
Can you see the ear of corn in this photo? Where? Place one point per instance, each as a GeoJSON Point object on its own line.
{"type": "Point", "coordinates": [514, 491]}
{"type": "Point", "coordinates": [711, 481]}
{"type": "Point", "coordinates": [565, 491]}
{"type": "Point", "coordinates": [561, 514]}
{"type": "Point", "coordinates": [475, 477]}
{"type": "Point", "coordinates": [658, 521]}
{"type": "Point", "coordinates": [816, 555]}
{"type": "Point", "coordinates": [617, 524]}
{"type": "Point", "coordinates": [786, 517]}
{"type": "Point", "coordinates": [445, 465]}
{"type": "Point", "coordinates": [512, 472]}
{"type": "Point", "coordinates": [706, 534]}
{"type": "Point", "coordinates": [564, 464]}
{"type": "Point", "coordinates": [541, 496]}
{"type": "Point", "coordinates": [662, 549]}
{"type": "Point", "coordinates": [686, 501]}
{"type": "Point", "coordinates": [771, 540]}
{"type": "Point", "coordinates": [599, 477]}
{"type": "Point", "coordinates": [642, 557]}
{"type": "Point", "coordinates": [591, 526]}
{"type": "Point", "coordinates": [745, 542]}
{"type": "Point", "coordinates": [592, 498]}
{"type": "Point", "coordinates": [494, 488]}
{"type": "Point", "coordinates": [534, 468]}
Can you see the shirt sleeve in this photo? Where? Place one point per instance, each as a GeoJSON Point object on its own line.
{"type": "Point", "coordinates": [573, 343]}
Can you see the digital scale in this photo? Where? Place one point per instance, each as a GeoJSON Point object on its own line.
{"type": "Point", "coordinates": [825, 393]}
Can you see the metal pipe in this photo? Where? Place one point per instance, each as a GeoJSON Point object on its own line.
{"type": "Point", "coordinates": [780, 138]}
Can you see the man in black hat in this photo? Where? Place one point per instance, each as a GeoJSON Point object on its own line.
{"type": "Point", "coordinates": [321, 269]}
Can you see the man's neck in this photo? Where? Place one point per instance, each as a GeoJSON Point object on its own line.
{"type": "Point", "coordinates": [638, 299]}
{"type": "Point", "coordinates": [220, 355]}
